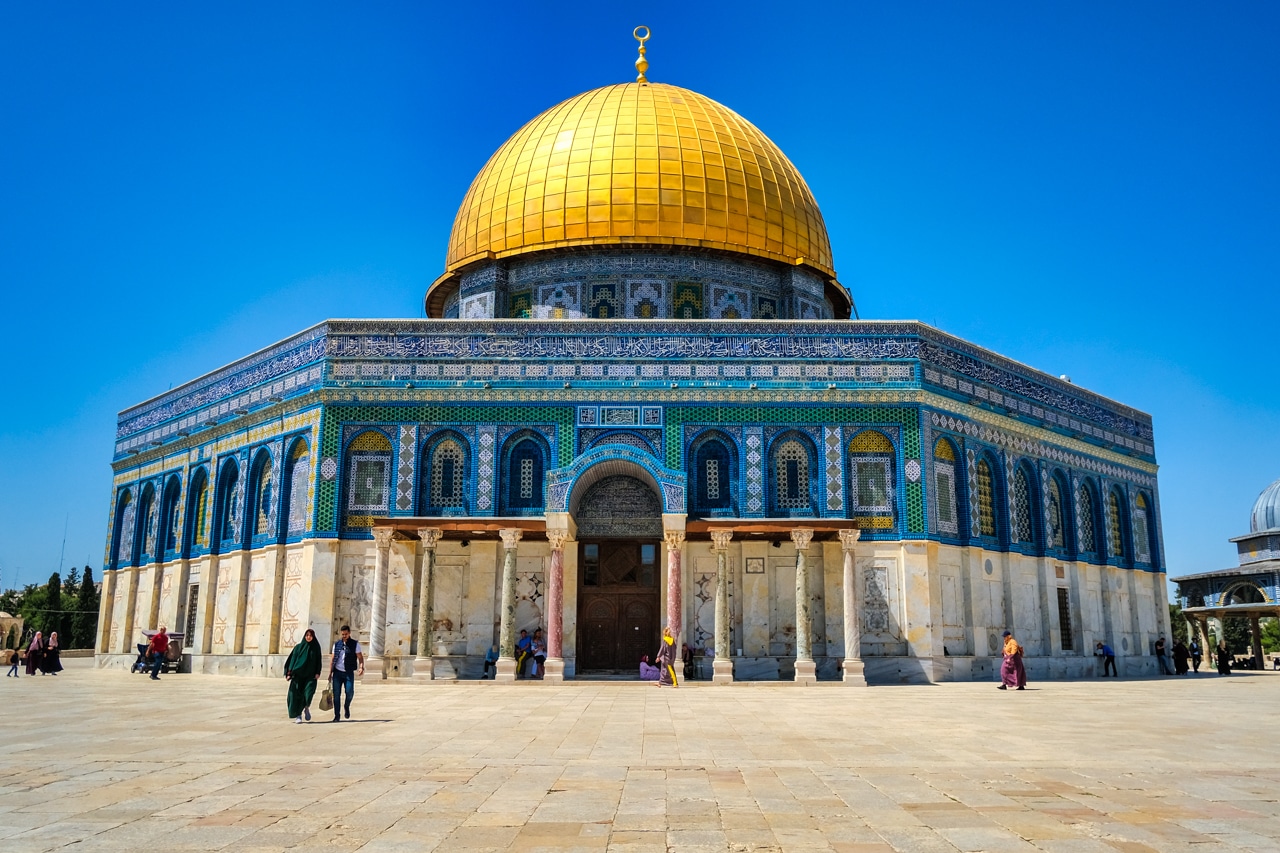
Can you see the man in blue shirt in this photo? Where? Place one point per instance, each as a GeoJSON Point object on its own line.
{"type": "Point", "coordinates": [1108, 659]}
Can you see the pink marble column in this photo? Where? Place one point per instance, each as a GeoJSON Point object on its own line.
{"type": "Point", "coordinates": [675, 602]}
{"type": "Point", "coordinates": [554, 670]}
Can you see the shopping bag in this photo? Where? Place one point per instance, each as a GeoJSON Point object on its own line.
{"type": "Point", "coordinates": [326, 700]}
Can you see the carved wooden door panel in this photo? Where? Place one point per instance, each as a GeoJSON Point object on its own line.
{"type": "Point", "coordinates": [599, 632]}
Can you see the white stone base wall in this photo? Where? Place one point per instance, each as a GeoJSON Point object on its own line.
{"type": "Point", "coordinates": [928, 611]}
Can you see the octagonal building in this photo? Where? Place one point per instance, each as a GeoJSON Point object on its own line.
{"type": "Point", "coordinates": [638, 400]}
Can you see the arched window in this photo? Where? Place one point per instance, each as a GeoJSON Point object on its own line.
{"type": "Point", "coordinates": [124, 530]}
{"type": "Point", "coordinates": [1087, 511]}
{"type": "Point", "coordinates": [986, 499]}
{"type": "Point", "coordinates": [144, 547]}
{"type": "Point", "coordinates": [712, 474]}
{"type": "Point", "coordinates": [1144, 539]}
{"type": "Point", "coordinates": [1057, 515]}
{"type": "Point", "coordinates": [945, 460]}
{"type": "Point", "coordinates": [196, 533]}
{"type": "Point", "coordinates": [1024, 519]}
{"type": "Point", "coordinates": [368, 478]}
{"type": "Point", "coordinates": [447, 463]}
{"type": "Point", "coordinates": [790, 471]}
{"type": "Point", "coordinates": [262, 492]}
{"type": "Point", "coordinates": [227, 515]}
{"type": "Point", "coordinates": [297, 483]}
{"type": "Point", "coordinates": [871, 468]}
{"type": "Point", "coordinates": [168, 544]}
{"type": "Point", "coordinates": [524, 468]}
{"type": "Point", "coordinates": [1115, 523]}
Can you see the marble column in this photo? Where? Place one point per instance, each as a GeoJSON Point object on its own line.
{"type": "Point", "coordinates": [1205, 645]}
{"type": "Point", "coordinates": [852, 666]}
{"type": "Point", "coordinates": [1255, 634]}
{"type": "Point", "coordinates": [506, 666]}
{"type": "Point", "coordinates": [554, 668]}
{"type": "Point", "coordinates": [806, 670]}
{"type": "Point", "coordinates": [423, 665]}
{"type": "Point", "coordinates": [722, 666]}
{"type": "Point", "coordinates": [373, 666]}
{"type": "Point", "coordinates": [675, 598]}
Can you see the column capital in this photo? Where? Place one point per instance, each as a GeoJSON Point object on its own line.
{"type": "Point", "coordinates": [382, 536]}
{"type": "Point", "coordinates": [430, 536]}
{"type": "Point", "coordinates": [557, 536]}
{"type": "Point", "coordinates": [720, 537]}
{"type": "Point", "coordinates": [674, 539]}
{"type": "Point", "coordinates": [802, 536]}
{"type": "Point", "coordinates": [510, 536]}
{"type": "Point", "coordinates": [849, 538]}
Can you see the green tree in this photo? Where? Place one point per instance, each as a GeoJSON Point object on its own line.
{"type": "Point", "coordinates": [71, 584]}
{"type": "Point", "coordinates": [32, 605]}
{"type": "Point", "coordinates": [10, 601]}
{"type": "Point", "coordinates": [1177, 624]}
{"type": "Point", "coordinates": [84, 622]}
{"type": "Point", "coordinates": [1236, 632]}
{"type": "Point", "coordinates": [1271, 635]}
{"type": "Point", "coordinates": [53, 617]}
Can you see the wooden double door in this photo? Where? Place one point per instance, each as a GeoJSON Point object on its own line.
{"type": "Point", "coordinates": [617, 604]}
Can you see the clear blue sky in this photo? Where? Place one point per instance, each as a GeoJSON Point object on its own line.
{"type": "Point", "coordinates": [1091, 189]}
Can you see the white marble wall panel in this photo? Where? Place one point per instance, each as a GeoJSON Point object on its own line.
{"type": "Point", "coordinates": [293, 600]}
{"type": "Point", "coordinates": [400, 601]}
{"type": "Point", "coordinates": [142, 601]}
{"type": "Point", "coordinates": [782, 598]}
{"type": "Point", "coordinates": [480, 611]}
{"type": "Point", "coordinates": [353, 601]}
{"type": "Point", "coordinates": [449, 613]}
{"type": "Point", "coordinates": [255, 611]}
{"type": "Point", "coordinates": [755, 601]}
{"type": "Point", "coordinates": [224, 607]}
{"type": "Point", "coordinates": [701, 630]}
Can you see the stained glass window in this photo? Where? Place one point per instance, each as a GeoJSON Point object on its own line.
{"type": "Point", "coordinates": [124, 534]}
{"type": "Point", "coordinates": [1057, 532]}
{"type": "Point", "coordinates": [1141, 531]}
{"type": "Point", "coordinates": [713, 479]}
{"type": "Point", "coordinates": [792, 471]}
{"type": "Point", "coordinates": [871, 480]}
{"type": "Point", "coordinates": [713, 464]}
{"type": "Point", "coordinates": [1117, 528]}
{"type": "Point", "coordinates": [1088, 536]}
{"type": "Point", "coordinates": [1023, 529]}
{"type": "Point", "coordinates": [446, 474]}
{"type": "Point", "coordinates": [299, 473]}
{"type": "Point", "coordinates": [944, 481]}
{"type": "Point", "coordinates": [525, 471]}
{"type": "Point", "coordinates": [262, 503]}
{"type": "Point", "coordinates": [230, 504]}
{"type": "Point", "coordinates": [986, 500]}
{"type": "Point", "coordinates": [368, 483]}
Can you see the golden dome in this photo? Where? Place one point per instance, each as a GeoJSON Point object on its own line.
{"type": "Point", "coordinates": [640, 163]}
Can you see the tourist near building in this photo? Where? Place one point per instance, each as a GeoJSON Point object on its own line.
{"type": "Point", "coordinates": [638, 399]}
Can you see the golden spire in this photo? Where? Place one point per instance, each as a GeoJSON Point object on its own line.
{"type": "Point", "coordinates": [642, 64]}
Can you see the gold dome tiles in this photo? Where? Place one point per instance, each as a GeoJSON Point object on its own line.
{"type": "Point", "coordinates": [640, 163]}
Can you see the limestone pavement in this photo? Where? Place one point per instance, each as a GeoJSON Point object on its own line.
{"type": "Point", "coordinates": [101, 760]}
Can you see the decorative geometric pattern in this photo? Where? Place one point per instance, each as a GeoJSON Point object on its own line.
{"type": "Point", "coordinates": [944, 476]}
{"type": "Point", "coordinates": [833, 439]}
{"type": "Point", "coordinates": [687, 303]}
{"type": "Point", "coordinates": [791, 464]}
{"type": "Point", "coordinates": [1115, 526]}
{"type": "Point", "coordinates": [447, 464]}
{"type": "Point", "coordinates": [646, 300]}
{"type": "Point", "coordinates": [485, 470]}
{"type": "Point", "coordinates": [1021, 509]}
{"type": "Point", "coordinates": [405, 473]}
{"type": "Point", "coordinates": [604, 301]}
{"type": "Point", "coordinates": [712, 474]}
{"type": "Point", "coordinates": [986, 500]}
{"type": "Point", "coordinates": [1085, 514]}
{"type": "Point", "coordinates": [329, 468]}
{"type": "Point", "coordinates": [1141, 533]}
{"type": "Point", "coordinates": [1054, 516]}
{"type": "Point", "coordinates": [912, 471]}
{"type": "Point", "coordinates": [754, 459]}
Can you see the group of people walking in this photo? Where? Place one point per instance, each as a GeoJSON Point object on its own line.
{"type": "Point", "coordinates": [43, 655]}
{"type": "Point", "coordinates": [303, 668]}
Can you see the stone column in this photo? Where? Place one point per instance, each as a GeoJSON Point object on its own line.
{"type": "Point", "coordinates": [106, 611]}
{"type": "Point", "coordinates": [423, 665]}
{"type": "Point", "coordinates": [127, 640]}
{"type": "Point", "coordinates": [506, 666]}
{"type": "Point", "coordinates": [675, 598]}
{"type": "Point", "coordinates": [852, 666]}
{"type": "Point", "coordinates": [1255, 634]}
{"type": "Point", "coordinates": [806, 670]}
{"type": "Point", "coordinates": [554, 667]}
{"type": "Point", "coordinates": [373, 666]}
{"type": "Point", "coordinates": [722, 666]}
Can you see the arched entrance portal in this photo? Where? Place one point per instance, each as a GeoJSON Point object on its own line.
{"type": "Point", "coordinates": [619, 522]}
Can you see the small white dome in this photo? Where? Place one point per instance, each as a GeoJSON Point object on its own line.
{"type": "Point", "coordinates": [1266, 510]}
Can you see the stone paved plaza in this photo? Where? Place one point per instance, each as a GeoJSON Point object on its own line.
{"type": "Point", "coordinates": [107, 761]}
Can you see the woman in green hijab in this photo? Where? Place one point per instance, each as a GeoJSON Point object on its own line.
{"type": "Point", "coordinates": [303, 672]}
